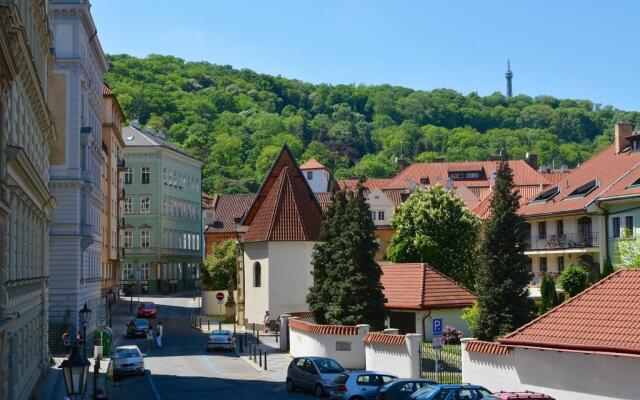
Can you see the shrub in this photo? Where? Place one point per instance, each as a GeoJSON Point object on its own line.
{"type": "Point", "coordinates": [451, 335]}
{"type": "Point", "coordinates": [574, 279]}
{"type": "Point", "coordinates": [471, 316]}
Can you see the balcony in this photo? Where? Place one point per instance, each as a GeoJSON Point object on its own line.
{"type": "Point", "coordinates": [122, 164]}
{"type": "Point", "coordinates": [535, 279]}
{"type": "Point", "coordinates": [121, 194]}
{"type": "Point", "coordinates": [565, 241]}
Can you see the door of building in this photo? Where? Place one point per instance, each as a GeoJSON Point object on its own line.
{"type": "Point", "coordinates": [404, 322]}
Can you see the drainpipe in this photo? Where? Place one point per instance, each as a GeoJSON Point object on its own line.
{"type": "Point", "coordinates": [424, 327]}
{"type": "Point", "coordinates": [606, 231]}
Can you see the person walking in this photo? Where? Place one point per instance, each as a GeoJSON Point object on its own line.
{"type": "Point", "coordinates": [266, 321]}
{"type": "Point", "coordinates": [149, 338]}
{"type": "Point", "coordinates": [159, 332]}
{"type": "Point", "coordinates": [66, 341]}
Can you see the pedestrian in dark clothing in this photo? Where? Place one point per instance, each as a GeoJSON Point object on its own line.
{"type": "Point", "coordinates": [66, 341]}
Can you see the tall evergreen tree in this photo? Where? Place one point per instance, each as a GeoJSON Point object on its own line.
{"type": "Point", "coordinates": [548, 294]}
{"type": "Point", "coordinates": [347, 288]}
{"type": "Point", "coordinates": [502, 280]}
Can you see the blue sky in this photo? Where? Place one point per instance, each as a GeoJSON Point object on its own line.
{"type": "Point", "coordinates": [569, 49]}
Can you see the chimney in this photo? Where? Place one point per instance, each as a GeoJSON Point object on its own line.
{"type": "Point", "coordinates": [622, 131]}
{"type": "Point", "coordinates": [532, 160]}
{"type": "Point", "coordinates": [402, 164]}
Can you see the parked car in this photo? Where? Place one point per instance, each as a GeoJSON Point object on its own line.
{"type": "Point", "coordinates": [137, 327]}
{"type": "Point", "coordinates": [127, 360]}
{"type": "Point", "coordinates": [451, 392]}
{"type": "Point", "coordinates": [526, 395]}
{"type": "Point", "coordinates": [359, 385]}
{"type": "Point", "coordinates": [220, 339]}
{"type": "Point", "coordinates": [313, 373]}
{"type": "Point", "coordinates": [147, 310]}
{"type": "Point", "coordinates": [402, 389]}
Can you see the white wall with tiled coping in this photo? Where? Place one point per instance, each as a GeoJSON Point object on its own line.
{"type": "Point", "coordinates": [402, 361]}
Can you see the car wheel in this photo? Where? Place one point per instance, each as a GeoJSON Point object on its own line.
{"type": "Point", "coordinates": [319, 391]}
{"type": "Point", "coordinates": [290, 386]}
{"type": "Point", "coordinates": [356, 398]}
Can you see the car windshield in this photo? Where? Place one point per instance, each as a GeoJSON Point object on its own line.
{"type": "Point", "coordinates": [148, 305]}
{"type": "Point", "coordinates": [424, 392]}
{"type": "Point", "coordinates": [328, 366]}
{"type": "Point", "coordinates": [483, 394]}
{"type": "Point", "coordinates": [141, 322]}
{"type": "Point", "coordinates": [224, 333]}
{"type": "Point", "coordinates": [127, 353]}
{"type": "Point", "coordinates": [342, 379]}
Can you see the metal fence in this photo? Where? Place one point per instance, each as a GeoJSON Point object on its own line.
{"type": "Point", "coordinates": [441, 365]}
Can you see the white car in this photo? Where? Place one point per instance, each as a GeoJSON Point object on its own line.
{"type": "Point", "coordinates": [128, 360]}
{"type": "Point", "coordinates": [220, 339]}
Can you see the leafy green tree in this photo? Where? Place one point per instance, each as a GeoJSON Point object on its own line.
{"type": "Point", "coordinates": [574, 279]}
{"type": "Point", "coordinates": [502, 278]}
{"type": "Point", "coordinates": [548, 294]}
{"type": "Point", "coordinates": [607, 268]}
{"type": "Point", "coordinates": [347, 289]}
{"type": "Point", "coordinates": [219, 269]}
{"type": "Point", "coordinates": [435, 227]}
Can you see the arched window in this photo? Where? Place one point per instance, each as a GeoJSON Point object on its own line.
{"type": "Point", "coordinates": [257, 275]}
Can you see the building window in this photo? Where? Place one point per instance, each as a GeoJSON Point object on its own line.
{"type": "Point", "coordinates": [616, 227]}
{"type": "Point", "coordinates": [128, 239]}
{"type": "Point", "coordinates": [257, 275]}
{"type": "Point", "coordinates": [543, 264]}
{"type": "Point", "coordinates": [560, 264]}
{"type": "Point", "coordinates": [559, 228]}
{"type": "Point", "coordinates": [128, 205]}
{"type": "Point", "coordinates": [309, 175]}
{"type": "Point", "coordinates": [628, 225]}
{"type": "Point", "coordinates": [542, 230]}
{"type": "Point", "coordinates": [381, 215]}
{"type": "Point", "coordinates": [126, 272]}
{"type": "Point", "coordinates": [128, 176]}
{"type": "Point", "coordinates": [145, 238]}
{"type": "Point", "coordinates": [145, 205]}
{"type": "Point", "coordinates": [144, 271]}
{"type": "Point", "coordinates": [145, 176]}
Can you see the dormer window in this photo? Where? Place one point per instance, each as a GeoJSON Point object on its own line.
{"type": "Point", "coordinates": [635, 183]}
{"type": "Point", "coordinates": [547, 195]}
{"type": "Point", "coordinates": [424, 180]}
{"type": "Point", "coordinates": [635, 143]}
{"type": "Point", "coordinates": [470, 173]}
{"type": "Point", "coordinates": [585, 189]}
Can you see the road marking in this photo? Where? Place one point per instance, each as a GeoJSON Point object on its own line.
{"type": "Point", "coordinates": [153, 387]}
{"type": "Point", "coordinates": [280, 388]}
{"type": "Point", "coordinates": [213, 367]}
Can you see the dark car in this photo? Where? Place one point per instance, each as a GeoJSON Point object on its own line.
{"type": "Point", "coordinates": [313, 373]}
{"type": "Point", "coordinates": [451, 392]}
{"type": "Point", "coordinates": [402, 389]}
{"type": "Point", "coordinates": [147, 310]}
{"type": "Point", "coordinates": [137, 328]}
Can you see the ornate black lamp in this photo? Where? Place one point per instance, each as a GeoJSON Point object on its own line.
{"type": "Point", "coordinates": [85, 314]}
{"type": "Point", "coordinates": [75, 370]}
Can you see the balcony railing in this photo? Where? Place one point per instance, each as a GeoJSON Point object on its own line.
{"type": "Point", "coordinates": [121, 163]}
{"type": "Point", "coordinates": [565, 241]}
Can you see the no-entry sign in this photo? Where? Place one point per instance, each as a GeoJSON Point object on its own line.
{"type": "Point", "coordinates": [219, 297]}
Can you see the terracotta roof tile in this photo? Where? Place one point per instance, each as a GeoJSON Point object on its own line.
{"type": "Point", "coordinates": [369, 184]}
{"type": "Point", "coordinates": [555, 176]}
{"type": "Point", "coordinates": [323, 329]}
{"type": "Point", "coordinates": [325, 200]}
{"type": "Point", "coordinates": [228, 211]}
{"type": "Point", "coordinates": [396, 196]}
{"type": "Point", "coordinates": [604, 318]}
{"type": "Point", "coordinates": [384, 338]}
{"type": "Point", "coordinates": [312, 163]}
{"type": "Point", "coordinates": [301, 314]}
{"type": "Point", "coordinates": [106, 91]}
{"type": "Point", "coordinates": [607, 167]}
{"type": "Point", "coordinates": [417, 286]}
{"type": "Point", "coordinates": [478, 346]}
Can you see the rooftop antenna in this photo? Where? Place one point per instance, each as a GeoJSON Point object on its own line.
{"type": "Point", "coordinates": [509, 76]}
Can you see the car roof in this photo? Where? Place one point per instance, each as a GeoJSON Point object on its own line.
{"type": "Point", "coordinates": [368, 372]}
{"type": "Point", "coordinates": [127, 347]}
{"type": "Point", "coordinates": [220, 331]}
{"type": "Point", "coordinates": [458, 385]}
{"type": "Point", "coordinates": [414, 380]}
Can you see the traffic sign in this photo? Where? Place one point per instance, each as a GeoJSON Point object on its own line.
{"type": "Point", "coordinates": [220, 297]}
{"type": "Point", "coordinates": [437, 327]}
{"type": "Point", "coordinates": [438, 342]}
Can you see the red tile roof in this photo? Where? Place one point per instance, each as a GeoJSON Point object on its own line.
{"type": "Point", "coordinates": [624, 186]}
{"type": "Point", "coordinates": [312, 163]}
{"type": "Point", "coordinates": [106, 91]}
{"type": "Point", "coordinates": [301, 314]}
{"type": "Point", "coordinates": [483, 209]}
{"type": "Point", "coordinates": [323, 329]}
{"type": "Point", "coordinates": [607, 167]}
{"type": "Point", "coordinates": [228, 211]}
{"type": "Point", "coordinates": [604, 318]}
{"type": "Point", "coordinates": [417, 286]}
{"type": "Point", "coordinates": [369, 184]}
{"type": "Point", "coordinates": [478, 346]}
{"type": "Point", "coordinates": [325, 200]}
{"type": "Point", "coordinates": [555, 176]}
{"type": "Point", "coordinates": [285, 207]}
{"type": "Point", "coordinates": [384, 338]}
{"type": "Point", "coordinates": [396, 196]}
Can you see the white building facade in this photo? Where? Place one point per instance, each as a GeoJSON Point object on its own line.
{"type": "Point", "coordinates": [76, 233]}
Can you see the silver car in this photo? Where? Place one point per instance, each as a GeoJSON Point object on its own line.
{"type": "Point", "coordinates": [220, 339]}
{"type": "Point", "coordinates": [127, 360]}
{"type": "Point", "coordinates": [313, 373]}
{"type": "Point", "coordinates": [359, 385]}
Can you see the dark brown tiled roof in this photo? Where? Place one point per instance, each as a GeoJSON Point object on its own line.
{"type": "Point", "coordinates": [228, 210]}
{"type": "Point", "coordinates": [417, 286]}
{"type": "Point", "coordinates": [384, 338]}
{"type": "Point", "coordinates": [325, 200]}
{"type": "Point", "coordinates": [106, 91]}
{"type": "Point", "coordinates": [289, 210]}
{"type": "Point", "coordinates": [478, 346]}
{"type": "Point", "coordinates": [604, 318]}
{"type": "Point", "coordinates": [323, 329]}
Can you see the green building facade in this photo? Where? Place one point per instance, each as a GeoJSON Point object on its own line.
{"type": "Point", "coordinates": [162, 233]}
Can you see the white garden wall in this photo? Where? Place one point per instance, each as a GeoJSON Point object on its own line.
{"type": "Point", "coordinates": [564, 375]}
{"type": "Point", "coordinates": [395, 354]}
{"type": "Point", "coordinates": [210, 304]}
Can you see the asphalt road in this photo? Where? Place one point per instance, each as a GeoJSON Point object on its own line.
{"type": "Point", "coordinates": [182, 369]}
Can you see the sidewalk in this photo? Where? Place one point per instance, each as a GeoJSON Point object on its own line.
{"type": "Point", "coordinates": [277, 361]}
{"type": "Point", "coordinates": [52, 388]}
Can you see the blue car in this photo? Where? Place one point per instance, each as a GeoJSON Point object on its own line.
{"type": "Point", "coordinates": [451, 392]}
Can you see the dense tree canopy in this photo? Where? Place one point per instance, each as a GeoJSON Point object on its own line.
{"type": "Point", "coordinates": [235, 119]}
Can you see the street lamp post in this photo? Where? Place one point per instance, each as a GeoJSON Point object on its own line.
{"type": "Point", "coordinates": [111, 299]}
{"type": "Point", "coordinates": [75, 371]}
{"type": "Point", "coordinates": [85, 314]}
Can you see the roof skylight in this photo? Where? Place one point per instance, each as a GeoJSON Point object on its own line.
{"type": "Point", "coordinates": [585, 189]}
{"type": "Point", "coordinates": [547, 195]}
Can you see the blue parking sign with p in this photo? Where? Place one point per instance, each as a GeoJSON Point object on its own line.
{"type": "Point", "coordinates": [437, 327]}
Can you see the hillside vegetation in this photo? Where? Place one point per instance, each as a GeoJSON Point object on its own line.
{"type": "Point", "coordinates": [237, 120]}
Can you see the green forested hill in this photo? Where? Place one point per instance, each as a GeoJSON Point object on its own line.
{"type": "Point", "coordinates": [236, 121]}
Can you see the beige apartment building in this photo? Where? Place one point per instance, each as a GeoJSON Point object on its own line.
{"type": "Point", "coordinates": [26, 136]}
{"type": "Point", "coordinates": [112, 191]}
